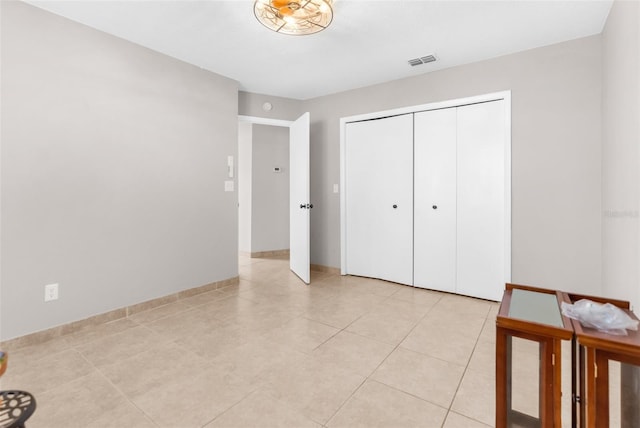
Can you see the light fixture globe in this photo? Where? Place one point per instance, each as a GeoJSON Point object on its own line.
{"type": "Point", "coordinates": [294, 17]}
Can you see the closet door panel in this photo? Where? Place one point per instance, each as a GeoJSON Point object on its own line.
{"type": "Point", "coordinates": [481, 200]}
{"type": "Point", "coordinates": [435, 200]}
{"type": "Point", "coordinates": [379, 176]}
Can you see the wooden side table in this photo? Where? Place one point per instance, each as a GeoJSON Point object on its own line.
{"type": "Point", "coordinates": [531, 313]}
{"type": "Point", "coordinates": [595, 350]}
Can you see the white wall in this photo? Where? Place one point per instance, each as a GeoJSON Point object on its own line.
{"type": "Point", "coordinates": [269, 190]}
{"type": "Point", "coordinates": [244, 186]}
{"type": "Point", "coordinates": [112, 171]}
{"type": "Point", "coordinates": [250, 104]}
{"type": "Point", "coordinates": [621, 152]}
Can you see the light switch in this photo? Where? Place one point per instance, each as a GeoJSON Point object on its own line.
{"type": "Point", "coordinates": [336, 188]}
{"type": "Point", "coordinates": [228, 186]}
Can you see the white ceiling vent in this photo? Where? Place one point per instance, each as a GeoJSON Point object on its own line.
{"type": "Point", "coordinates": [421, 60]}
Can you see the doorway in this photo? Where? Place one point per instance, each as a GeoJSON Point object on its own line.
{"type": "Point", "coordinates": [263, 190]}
{"type": "Point", "coordinates": [273, 190]}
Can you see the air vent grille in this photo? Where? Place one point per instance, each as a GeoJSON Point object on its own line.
{"type": "Point", "coordinates": [422, 60]}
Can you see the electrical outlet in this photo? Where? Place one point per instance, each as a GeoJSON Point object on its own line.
{"type": "Point", "coordinates": [50, 292]}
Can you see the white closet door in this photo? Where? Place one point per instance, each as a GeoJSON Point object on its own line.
{"type": "Point", "coordinates": [435, 200]}
{"type": "Point", "coordinates": [379, 195]}
{"type": "Point", "coordinates": [481, 200]}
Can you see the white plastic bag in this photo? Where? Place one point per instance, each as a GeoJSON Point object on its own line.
{"type": "Point", "coordinates": [603, 317]}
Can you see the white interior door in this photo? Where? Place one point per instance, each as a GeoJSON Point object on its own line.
{"type": "Point", "coordinates": [300, 204]}
{"type": "Point", "coordinates": [435, 200]}
{"type": "Point", "coordinates": [379, 198]}
{"type": "Point", "coordinates": [481, 200]}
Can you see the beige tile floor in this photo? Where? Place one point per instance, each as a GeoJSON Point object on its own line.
{"type": "Point", "coordinates": [273, 352]}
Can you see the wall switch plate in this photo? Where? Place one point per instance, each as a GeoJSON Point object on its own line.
{"type": "Point", "coordinates": [336, 188]}
{"type": "Point", "coordinates": [50, 292]}
{"type": "Point", "coordinates": [228, 186]}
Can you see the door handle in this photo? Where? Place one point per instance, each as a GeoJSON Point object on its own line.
{"type": "Point", "coordinates": [435, 207]}
{"type": "Point", "coordinates": [303, 206]}
{"type": "Point", "coordinates": [395, 206]}
{"type": "Point", "coordinates": [307, 206]}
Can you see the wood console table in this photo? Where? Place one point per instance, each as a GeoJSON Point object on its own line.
{"type": "Point", "coordinates": [595, 349]}
{"type": "Point", "coordinates": [534, 314]}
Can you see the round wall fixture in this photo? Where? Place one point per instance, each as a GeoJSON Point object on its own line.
{"type": "Point", "coordinates": [267, 106]}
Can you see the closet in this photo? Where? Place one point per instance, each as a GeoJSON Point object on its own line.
{"type": "Point", "coordinates": [426, 196]}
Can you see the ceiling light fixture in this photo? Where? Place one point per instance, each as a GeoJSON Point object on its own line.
{"type": "Point", "coordinates": [295, 17]}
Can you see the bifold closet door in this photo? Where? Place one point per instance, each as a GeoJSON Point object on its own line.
{"type": "Point", "coordinates": [481, 214]}
{"type": "Point", "coordinates": [435, 200]}
{"type": "Point", "coordinates": [379, 198]}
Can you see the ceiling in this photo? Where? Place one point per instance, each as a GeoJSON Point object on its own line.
{"type": "Point", "coordinates": [368, 42]}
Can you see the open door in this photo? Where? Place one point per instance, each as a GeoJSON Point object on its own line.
{"type": "Point", "coordinates": [300, 205]}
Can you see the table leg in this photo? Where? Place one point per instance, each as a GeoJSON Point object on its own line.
{"type": "Point", "coordinates": [590, 398]}
{"type": "Point", "coordinates": [557, 383]}
{"type": "Point", "coordinates": [602, 390]}
{"type": "Point", "coordinates": [503, 377]}
{"type": "Point", "coordinates": [581, 367]}
{"type": "Point", "coordinates": [546, 383]}
{"type": "Point", "coordinates": [574, 382]}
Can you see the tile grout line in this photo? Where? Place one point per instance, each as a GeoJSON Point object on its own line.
{"type": "Point", "coordinates": [365, 377]}
{"type": "Point", "coordinates": [385, 359]}
{"type": "Point", "coordinates": [281, 299]}
{"type": "Point", "coordinates": [466, 368]}
{"type": "Point", "coordinates": [99, 371]}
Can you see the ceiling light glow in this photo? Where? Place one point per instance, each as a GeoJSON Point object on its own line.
{"type": "Point", "coordinates": [294, 17]}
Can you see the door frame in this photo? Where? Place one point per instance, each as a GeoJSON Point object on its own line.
{"type": "Point", "coordinates": [255, 120]}
{"type": "Point", "coordinates": [494, 96]}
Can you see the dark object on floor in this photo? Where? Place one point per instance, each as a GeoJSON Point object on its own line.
{"type": "Point", "coordinates": [16, 408]}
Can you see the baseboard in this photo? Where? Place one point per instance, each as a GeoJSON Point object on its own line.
{"type": "Point", "coordinates": [285, 253]}
{"type": "Point", "coordinates": [271, 253]}
{"type": "Point", "coordinates": [325, 269]}
{"type": "Point", "coordinates": [116, 314]}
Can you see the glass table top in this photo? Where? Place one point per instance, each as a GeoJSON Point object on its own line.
{"type": "Point", "coordinates": [536, 307]}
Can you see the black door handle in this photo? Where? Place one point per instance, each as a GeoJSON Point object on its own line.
{"type": "Point", "coordinates": [303, 206]}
